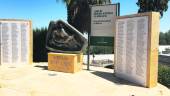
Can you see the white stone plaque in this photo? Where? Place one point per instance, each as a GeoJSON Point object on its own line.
{"type": "Point", "coordinates": [131, 49]}
{"type": "Point", "coordinates": [15, 36]}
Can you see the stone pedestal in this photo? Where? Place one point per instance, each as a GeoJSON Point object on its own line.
{"type": "Point", "coordinates": [64, 62]}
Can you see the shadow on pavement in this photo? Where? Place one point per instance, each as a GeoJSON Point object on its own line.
{"type": "Point", "coordinates": [112, 78]}
{"type": "Point", "coordinates": [42, 67]}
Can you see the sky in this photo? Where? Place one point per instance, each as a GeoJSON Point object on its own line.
{"type": "Point", "coordinates": [41, 12]}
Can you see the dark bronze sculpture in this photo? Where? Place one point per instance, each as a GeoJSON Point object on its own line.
{"type": "Point", "coordinates": [62, 37]}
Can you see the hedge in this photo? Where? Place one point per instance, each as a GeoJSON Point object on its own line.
{"type": "Point", "coordinates": [164, 75]}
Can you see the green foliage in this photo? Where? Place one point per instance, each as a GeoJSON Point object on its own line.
{"type": "Point", "coordinates": [164, 38]}
{"type": "Point", "coordinates": [152, 5]}
{"type": "Point", "coordinates": [39, 49]}
{"type": "Point", "coordinates": [167, 37]}
{"type": "Point", "coordinates": [164, 75]}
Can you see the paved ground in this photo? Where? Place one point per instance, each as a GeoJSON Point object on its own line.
{"type": "Point", "coordinates": [38, 81]}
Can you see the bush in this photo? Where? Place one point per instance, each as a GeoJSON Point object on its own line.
{"type": "Point", "coordinates": [164, 75]}
{"type": "Point", "coordinates": [39, 45]}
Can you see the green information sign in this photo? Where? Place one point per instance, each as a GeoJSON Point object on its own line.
{"type": "Point", "coordinates": [103, 19]}
{"type": "Point", "coordinates": [101, 41]}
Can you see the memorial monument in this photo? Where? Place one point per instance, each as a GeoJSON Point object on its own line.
{"type": "Point", "coordinates": [65, 45]}
{"type": "Point", "coordinates": [16, 42]}
{"type": "Point", "coordinates": [136, 48]}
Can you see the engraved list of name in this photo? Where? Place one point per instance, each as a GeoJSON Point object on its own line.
{"type": "Point", "coordinates": [15, 45]}
{"type": "Point", "coordinates": [131, 48]}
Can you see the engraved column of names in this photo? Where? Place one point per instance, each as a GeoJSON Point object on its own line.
{"type": "Point", "coordinates": [120, 45]}
{"type": "Point", "coordinates": [130, 46]}
{"type": "Point", "coordinates": [0, 43]}
{"type": "Point", "coordinates": [141, 49]}
{"type": "Point", "coordinates": [15, 42]}
{"type": "Point", "coordinates": [5, 43]}
{"type": "Point", "coordinates": [24, 43]}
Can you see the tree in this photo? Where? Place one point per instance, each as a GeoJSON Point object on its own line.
{"type": "Point", "coordinates": [162, 39]}
{"type": "Point", "coordinates": [78, 12]}
{"type": "Point", "coordinates": [167, 37]}
{"type": "Point", "coordinates": [153, 5]}
{"type": "Point", "coordinates": [39, 45]}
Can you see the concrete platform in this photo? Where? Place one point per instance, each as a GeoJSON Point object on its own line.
{"type": "Point", "coordinates": [29, 80]}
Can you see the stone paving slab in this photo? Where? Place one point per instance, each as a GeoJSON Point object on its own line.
{"type": "Point", "coordinates": [29, 80]}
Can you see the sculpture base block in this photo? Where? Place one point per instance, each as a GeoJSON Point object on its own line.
{"type": "Point", "coordinates": [63, 62]}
